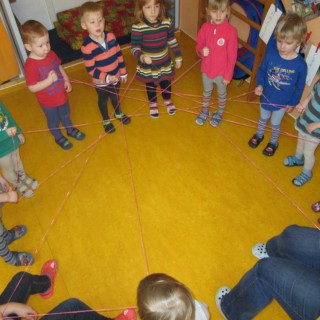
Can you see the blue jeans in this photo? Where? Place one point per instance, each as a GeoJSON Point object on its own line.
{"type": "Point", "coordinates": [291, 276]}
{"type": "Point", "coordinates": [73, 309]}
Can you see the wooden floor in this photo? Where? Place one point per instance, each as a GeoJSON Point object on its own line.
{"type": "Point", "coordinates": [158, 195]}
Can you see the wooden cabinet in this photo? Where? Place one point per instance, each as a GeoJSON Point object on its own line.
{"type": "Point", "coordinates": [202, 14]}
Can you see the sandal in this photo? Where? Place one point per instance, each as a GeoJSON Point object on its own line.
{"type": "Point", "coordinates": [23, 258]}
{"type": "Point", "coordinates": [15, 233]}
{"type": "Point", "coordinates": [270, 149]}
{"type": "Point", "coordinates": [171, 110]}
{"type": "Point", "coordinates": [216, 119]}
{"type": "Point", "coordinates": [316, 206]}
{"type": "Point", "coordinates": [24, 190]}
{"type": "Point", "coordinates": [77, 134]}
{"type": "Point", "coordinates": [64, 143]}
{"type": "Point", "coordinates": [154, 112]}
{"type": "Point", "coordinates": [219, 295]}
{"type": "Point", "coordinates": [202, 117]}
{"type": "Point", "coordinates": [255, 141]}
{"type": "Point", "coordinates": [122, 118]}
{"type": "Point", "coordinates": [50, 269]}
{"type": "Point", "coordinates": [30, 182]}
{"type": "Point", "coordinates": [259, 250]}
{"type": "Point", "coordinates": [292, 161]}
{"type": "Point", "coordinates": [108, 127]}
{"type": "Point", "coordinates": [300, 180]}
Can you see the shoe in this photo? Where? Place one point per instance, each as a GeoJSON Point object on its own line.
{"type": "Point", "coordinates": [316, 206]}
{"type": "Point", "coordinates": [122, 118]}
{"type": "Point", "coordinates": [24, 190]}
{"type": "Point", "coordinates": [202, 117]}
{"type": "Point", "coordinates": [255, 141]}
{"type": "Point", "coordinates": [77, 134]}
{"type": "Point", "coordinates": [64, 143]}
{"type": "Point", "coordinates": [171, 109]}
{"type": "Point", "coordinates": [30, 182]}
{"type": "Point", "coordinates": [302, 179]}
{"type": "Point", "coordinates": [259, 250]}
{"type": "Point", "coordinates": [108, 127]}
{"type": "Point", "coordinates": [219, 295]}
{"type": "Point", "coordinates": [216, 119]}
{"type": "Point", "coordinates": [128, 314]}
{"type": "Point", "coordinates": [292, 161]}
{"type": "Point", "coordinates": [15, 233]}
{"type": "Point", "coordinates": [154, 112]}
{"type": "Point", "coordinates": [50, 269]}
{"type": "Point", "coordinates": [23, 259]}
{"type": "Point", "coordinates": [270, 149]}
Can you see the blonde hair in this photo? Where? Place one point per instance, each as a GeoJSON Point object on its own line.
{"type": "Point", "coordinates": [218, 5]}
{"type": "Point", "coordinates": [89, 7]}
{"type": "Point", "coordinates": [292, 26]}
{"type": "Point", "coordinates": [161, 297]}
{"type": "Point", "coordinates": [138, 13]}
{"type": "Point", "coordinates": [32, 30]}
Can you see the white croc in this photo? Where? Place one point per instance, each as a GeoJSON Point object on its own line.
{"type": "Point", "coordinates": [219, 295]}
{"type": "Point", "coordinates": [259, 250]}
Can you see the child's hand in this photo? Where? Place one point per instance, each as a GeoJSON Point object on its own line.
{"type": "Point", "coordinates": [113, 79]}
{"type": "Point", "coordinates": [5, 185]}
{"type": "Point", "coordinates": [178, 64]}
{"type": "Point", "coordinates": [258, 90]}
{"type": "Point", "coordinates": [146, 59]}
{"type": "Point", "coordinates": [52, 76]}
{"type": "Point", "coordinates": [225, 82]}
{"type": "Point", "coordinates": [205, 51]}
{"type": "Point", "coordinates": [21, 138]}
{"type": "Point", "coordinates": [67, 85]}
{"type": "Point", "coordinates": [12, 131]}
{"type": "Point", "coordinates": [300, 107]}
{"type": "Point", "coordinates": [12, 196]}
{"type": "Point", "coordinates": [312, 126]}
{"type": "Point", "coordinates": [124, 79]}
{"type": "Point", "coordinates": [289, 109]}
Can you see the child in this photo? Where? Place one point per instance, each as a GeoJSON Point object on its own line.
{"type": "Point", "coordinates": [8, 236]}
{"type": "Point", "coordinates": [217, 46]}
{"type": "Point", "coordinates": [281, 79]}
{"type": "Point", "coordinates": [308, 126]}
{"type": "Point", "coordinates": [104, 62]}
{"type": "Point", "coordinates": [161, 297]}
{"type": "Point", "coordinates": [150, 38]}
{"type": "Point", "coordinates": [46, 78]}
{"type": "Point", "coordinates": [10, 162]}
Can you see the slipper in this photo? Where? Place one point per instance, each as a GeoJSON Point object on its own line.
{"type": "Point", "coordinates": [219, 295]}
{"type": "Point", "coordinates": [270, 149]}
{"type": "Point", "coordinates": [77, 134]}
{"type": "Point", "coordinates": [316, 206]}
{"type": "Point", "coordinates": [300, 180]}
{"type": "Point", "coordinates": [292, 161]}
{"type": "Point", "coordinates": [23, 259]}
{"type": "Point", "coordinates": [122, 118]}
{"type": "Point", "coordinates": [216, 119]}
{"type": "Point", "coordinates": [128, 314]}
{"type": "Point", "coordinates": [50, 269]}
{"type": "Point", "coordinates": [64, 143]}
{"type": "Point", "coordinates": [16, 233]}
{"type": "Point", "coordinates": [255, 141]}
{"type": "Point", "coordinates": [202, 117]}
{"type": "Point", "coordinates": [259, 250]}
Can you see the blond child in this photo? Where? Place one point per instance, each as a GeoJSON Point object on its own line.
{"type": "Point", "coordinates": [161, 297]}
{"type": "Point", "coordinates": [150, 38]}
{"type": "Point", "coordinates": [104, 62]}
{"type": "Point", "coordinates": [217, 46]}
{"type": "Point", "coordinates": [281, 79]}
{"type": "Point", "coordinates": [46, 78]}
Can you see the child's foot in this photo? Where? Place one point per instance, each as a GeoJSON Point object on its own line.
{"type": "Point", "coordinates": [122, 118]}
{"type": "Point", "coordinates": [302, 179]}
{"type": "Point", "coordinates": [255, 141]}
{"type": "Point", "coordinates": [171, 109]}
{"type": "Point", "coordinates": [30, 182]}
{"type": "Point", "coordinates": [259, 250]}
{"type": "Point", "coordinates": [219, 295]}
{"type": "Point", "coordinates": [23, 259]}
{"type": "Point", "coordinates": [128, 314]}
{"type": "Point", "coordinates": [216, 119]}
{"type": "Point", "coordinates": [77, 134]}
{"type": "Point", "coordinates": [270, 149]}
{"type": "Point", "coordinates": [292, 161]}
{"type": "Point", "coordinates": [15, 233]}
{"type": "Point", "coordinates": [24, 190]}
{"type": "Point", "coordinates": [202, 117]}
{"type": "Point", "coordinates": [64, 143]}
{"type": "Point", "coordinates": [154, 112]}
{"type": "Point", "coordinates": [108, 127]}
{"type": "Point", "coordinates": [50, 269]}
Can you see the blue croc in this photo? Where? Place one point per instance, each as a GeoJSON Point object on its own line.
{"type": "Point", "coordinates": [23, 258]}
{"type": "Point", "coordinates": [216, 119]}
{"type": "Point", "coordinates": [292, 161]}
{"type": "Point", "coordinates": [15, 233]}
{"type": "Point", "coordinates": [300, 180]}
{"type": "Point", "coordinates": [202, 117]}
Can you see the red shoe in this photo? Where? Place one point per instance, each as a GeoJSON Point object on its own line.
{"type": "Point", "coordinates": [128, 314]}
{"type": "Point", "coordinates": [50, 268]}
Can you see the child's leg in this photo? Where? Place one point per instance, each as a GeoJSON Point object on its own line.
{"type": "Point", "coordinates": [8, 167]}
{"type": "Point", "coordinates": [152, 97]}
{"type": "Point", "coordinates": [103, 96]}
{"type": "Point", "coordinates": [259, 136]}
{"type": "Point", "coordinates": [297, 159]}
{"type": "Point", "coordinates": [114, 97]}
{"type": "Point", "coordinates": [5, 253]}
{"type": "Point", "coordinates": [222, 98]}
{"type": "Point", "coordinates": [166, 95]}
{"type": "Point", "coordinates": [275, 125]}
{"type": "Point", "coordinates": [206, 96]}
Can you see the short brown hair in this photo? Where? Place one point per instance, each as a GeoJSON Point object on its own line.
{"type": "Point", "coordinates": [89, 7]}
{"type": "Point", "coordinates": [31, 30]}
{"type": "Point", "coordinates": [138, 13]}
{"type": "Point", "coordinates": [161, 297]}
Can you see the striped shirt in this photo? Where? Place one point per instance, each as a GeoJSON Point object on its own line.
{"type": "Point", "coordinates": [101, 61]}
{"type": "Point", "coordinates": [153, 40]}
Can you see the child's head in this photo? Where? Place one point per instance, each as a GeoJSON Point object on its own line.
{"type": "Point", "coordinates": [91, 18]}
{"type": "Point", "coordinates": [161, 297]}
{"type": "Point", "coordinates": [218, 10]}
{"type": "Point", "coordinates": [151, 10]}
{"type": "Point", "coordinates": [35, 37]}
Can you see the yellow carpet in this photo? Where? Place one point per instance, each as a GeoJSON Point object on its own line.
{"type": "Point", "coordinates": [159, 195]}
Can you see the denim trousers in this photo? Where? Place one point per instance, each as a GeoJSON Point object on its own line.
{"type": "Point", "coordinates": [291, 276]}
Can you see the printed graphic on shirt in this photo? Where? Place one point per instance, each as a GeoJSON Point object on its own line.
{"type": "Point", "coordinates": [3, 121]}
{"type": "Point", "coordinates": [220, 42]}
{"type": "Point", "coordinates": [278, 77]}
{"type": "Point", "coordinates": [56, 86]}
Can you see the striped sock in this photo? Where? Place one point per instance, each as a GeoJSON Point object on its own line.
{"type": "Point", "coordinates": [5, 253]}
{"type": "Point", "coordinates": [275, 133]}
{"type": "Point", "coordinates": [171, 109]}
{"type": "Point", "coordinates": [261, 127]}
